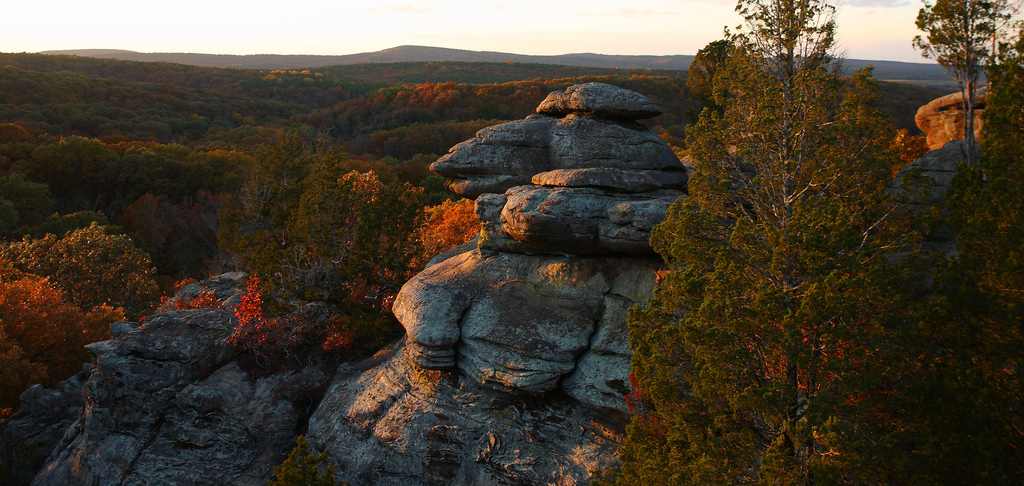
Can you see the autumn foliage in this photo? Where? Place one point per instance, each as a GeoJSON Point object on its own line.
{"type": "Point", "coordinates": [445, 225]}
{"type": "Point", "coordinates": [42, 334]}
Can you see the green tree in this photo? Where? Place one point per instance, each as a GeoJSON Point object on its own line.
{"type": "Point", "coordinates": [91, 267]}
{"type": "Point", "coordinates": [320, 227]}
{"type": "Point", "coordinates": [769, 353]}
{"type": "Point", "coordinates": [962, 35]}
{"type": "Point", "coordinates": [978, 353]}
{"type": "Point", "coordinates": [303, 467]}
{"type": "Point", "coordinates": [700, 76]}
{"type": "Point", "coordinates": [22, 201]}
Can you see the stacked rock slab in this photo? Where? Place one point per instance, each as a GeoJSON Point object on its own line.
{"type": "Point", "coordinates": [516, 360]}
{"type": "Point", "coordinates": [567, 199]}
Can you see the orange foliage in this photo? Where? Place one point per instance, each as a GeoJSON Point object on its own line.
{"type": "Point", "coordinates": [908, 147]}
{"type": "Point", "coordinates": [445, 225]}
{"type": "Point", "coordinates": [14, 132]}
{"type": "Point", "coordinates": [206, 299]}
{"type": "Point", "coordinates": [42, 335]}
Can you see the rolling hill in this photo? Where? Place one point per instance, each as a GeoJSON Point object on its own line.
{"type": "Point", "coordinates": [887, 70]}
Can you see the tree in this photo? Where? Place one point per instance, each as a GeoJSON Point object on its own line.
{"type": "Point", "coordinates": [41, 334]}
{"type": "Point", "coordinates": [91, 267]}
{"type": "Point", "coordinates": [978, 359]}
{"type": "Point", "coordinates": [318, 228]}
{"type": "Point", "coordinates": [26, 202]}
{"type": "Point", "coordinates": [700, 76]}
{"type": "Point", "coordinates": [770, 351]}
{"type": "Point", "coordinates": [958, 35]}
{"type": "Point", "coordinates": [303, 467]}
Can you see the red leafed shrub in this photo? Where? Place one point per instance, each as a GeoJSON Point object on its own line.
{"type": "Point", "coordinates": [250, 307]}
{"type": "Point", "coordinates": [276, 341]}
{"type": "Point", "coordinates": [634, 399]}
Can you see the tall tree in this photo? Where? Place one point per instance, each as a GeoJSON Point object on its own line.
{"type": "Point", "coordinates": [961, 35]}
{"type": "Point", "coordinates": [762, 357]}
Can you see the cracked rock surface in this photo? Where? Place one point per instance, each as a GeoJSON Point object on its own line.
{"type": "Point", "coordinates": [388, 422]}
{"type": "Point", "coordinates": [168, 403]}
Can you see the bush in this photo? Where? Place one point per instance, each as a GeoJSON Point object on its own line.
{"type": "Point", "coordinates": [91, 267]}
{"type": "Point", "coordinates": [445, 225]}
{"type": "Point", "coordinates": [303, 467]}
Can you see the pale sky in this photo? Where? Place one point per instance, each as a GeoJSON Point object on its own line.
{"type": "Point", "coordinates": [868, 29]}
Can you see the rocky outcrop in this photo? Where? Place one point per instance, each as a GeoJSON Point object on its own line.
{"type": "Point", "coordinates": [44, 414]}
{"type": "Point", "coordinates": [540, 304]}
{"type": "Point", "coordinates": [168, 401]}
{"type": "Point", "coordinates": [589, 126]}
{"type": "Point", "coordinates": [389, 422]}
{"type": "Point", "coordinates": [942, 119]}
{"type": "Point", "coordinates": [516, 359]}
{"type": "Point", "coordinates": [512, 371]}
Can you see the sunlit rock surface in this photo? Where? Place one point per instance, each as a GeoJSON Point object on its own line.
{"type": "Point", "coordinates": [389, 422]}
{"type": "Point", "coordinates": [942, 119]}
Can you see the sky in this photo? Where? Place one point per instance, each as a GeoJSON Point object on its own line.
{"type": "Point", "coordinates": [868, 29]}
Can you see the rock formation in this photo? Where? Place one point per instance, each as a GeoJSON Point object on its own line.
{"type": "Point", "coordinates": [514, 365]}
{"type": "Point", "coordinates": [515, 360]}
{"type": "Point", "coordinates": [167, 402]}
{"type": "Point", "coordinates": [942, 119]}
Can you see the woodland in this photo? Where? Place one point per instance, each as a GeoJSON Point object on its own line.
{"type": "Point", "coordinates": [121, 182]}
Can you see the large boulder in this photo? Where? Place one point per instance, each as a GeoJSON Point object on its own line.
{"type": "Point", "coordinates": [942, 119]}
{"type": "Point", "coordinates": [522, 322]}
{"type": "Point", "coordinates": [567, 220]}
{"type": "Point", "coordinates": [170, 402]}
{"type": "Point", "coordinates": [511, 154]}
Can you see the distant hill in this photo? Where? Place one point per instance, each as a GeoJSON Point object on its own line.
{"type": "Point", "coordinates": [888, 70]}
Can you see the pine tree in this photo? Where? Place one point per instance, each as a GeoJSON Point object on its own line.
{"type": "Point", "coordinates": [961, 35]}
{"type": "Point", "coordinates": [765, 355]}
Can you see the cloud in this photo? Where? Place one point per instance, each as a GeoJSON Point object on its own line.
{"type": "Point", "coordinates": [876, 3]}
{"type": "Point", "coordinates": [402, 8]}
{"type": "Point", "coordinates": [632, 13]}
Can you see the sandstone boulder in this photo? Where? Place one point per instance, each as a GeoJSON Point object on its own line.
{"type": "Point", "coordinates": [566, 220]}
{"type": "Point", "coordinates": [600, 100]}
{"type": "Point", "coordinates": [611, 179]}
{"type": "Point", "coordinates": [942, 119]}
{"type": "Point", "coordinates": [521, 322]}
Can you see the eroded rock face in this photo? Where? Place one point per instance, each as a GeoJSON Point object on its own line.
{"type": "Point", "coordinates": [168, 402]}
{"type": "Point", "coordinates": [27, 438]}
{"type": "Point", "coordinates": [388, 422]}
{"type": "Point", "coordinates": [942, 119]}
{"type": "Point", "coordinates": [524, 322]}
{"type": "Point", "coordinates": [563, 220]}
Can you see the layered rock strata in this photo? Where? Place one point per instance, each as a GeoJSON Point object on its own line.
{"type": "Point", "coordinates": [516, 356]}
{"type": "Point", "coordinates": [170, 402]}
{"type": "Point", "coordinates": [540, 304]}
